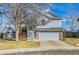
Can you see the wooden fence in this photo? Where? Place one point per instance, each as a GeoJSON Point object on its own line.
{"type": "Point", "coordinates": [71, 34]}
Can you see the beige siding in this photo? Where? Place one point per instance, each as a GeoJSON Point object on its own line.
{"type": "Point", "coordinates": [52, 24]}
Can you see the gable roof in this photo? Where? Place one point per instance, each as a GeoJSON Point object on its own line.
{"type": "Point", "coordinates": [8, 29]}
{"type": "Point", "coordinates": [52, 16]}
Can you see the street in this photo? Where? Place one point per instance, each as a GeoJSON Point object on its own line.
{"type": "Point", "coordinates": [49, 52]}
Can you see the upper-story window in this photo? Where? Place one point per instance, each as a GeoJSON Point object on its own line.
{"type": "Point", "coordinates": [43, 22]}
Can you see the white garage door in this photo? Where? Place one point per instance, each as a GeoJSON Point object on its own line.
{"type": "Point", "coordinates": [49, 35]}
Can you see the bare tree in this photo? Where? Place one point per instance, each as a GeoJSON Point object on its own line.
{"type": "Point", "coordinates": [4, 15]}
{"type": "Point", "coordinates": [71, 21]}
{"type": "Point", "coordinates": [27, 13]}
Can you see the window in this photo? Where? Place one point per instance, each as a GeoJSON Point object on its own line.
{"type": "Point", "coordinates": [43, 22]}
{"type": "Point", "coordinates": [32, 27]}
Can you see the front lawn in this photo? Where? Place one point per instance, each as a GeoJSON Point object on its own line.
{"type": "Point", "coordinates": [19, 44]}
{"type": "Point", "coordinates": [73, 41]}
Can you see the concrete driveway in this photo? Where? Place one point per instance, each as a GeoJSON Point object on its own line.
{"type": "Point", "coordinates": [55, 44]}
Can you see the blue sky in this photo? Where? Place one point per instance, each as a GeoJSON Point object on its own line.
{"type": "Point", "coordinates": [62, 9]}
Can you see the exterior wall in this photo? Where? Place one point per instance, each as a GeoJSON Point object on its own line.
{"type": "Point", "coordinates": [37, 35]}
{"type": "Point", "coordinates": [55, 24]}
{"type": "Point", "coordinates": [52, 24]}
{"type": "Point", "coordinates": [61, 35]}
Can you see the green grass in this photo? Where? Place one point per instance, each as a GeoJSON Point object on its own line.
{"type": "Point", "coordinates": [18, 44]}
{"type": "Point", "coordinates": [73, 41]}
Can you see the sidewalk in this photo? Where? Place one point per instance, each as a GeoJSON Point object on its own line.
{"type": "Point", "coordinates": [8, 51]}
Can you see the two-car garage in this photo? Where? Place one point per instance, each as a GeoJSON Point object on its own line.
{"type": "Point", "coordinates": [49, 34]}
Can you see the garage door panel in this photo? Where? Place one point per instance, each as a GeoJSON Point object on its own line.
{"type": "Point", "coordinates": [49, 35]}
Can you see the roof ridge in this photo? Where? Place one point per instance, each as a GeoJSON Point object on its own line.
{"type": "Point", "coordinates": [54, 15]}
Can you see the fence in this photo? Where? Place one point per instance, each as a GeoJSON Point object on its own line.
{"type": "Point", "coordinates": [71, 34]}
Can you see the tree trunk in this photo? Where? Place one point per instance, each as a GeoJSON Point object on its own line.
{"type": "Point", "coordinates": [17, 33]}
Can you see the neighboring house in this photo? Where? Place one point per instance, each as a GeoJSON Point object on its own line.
{"type": "Point", "coordinates": [9, 33]}
{"type": "Point", "coordinates": [51, 31]}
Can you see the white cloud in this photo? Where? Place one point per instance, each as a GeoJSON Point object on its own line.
{"type": "Point", "coordinates": [63, 19]}
{"type": "Point", "coordinates": [46, 10]}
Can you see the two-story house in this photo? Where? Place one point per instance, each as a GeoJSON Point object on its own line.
{"type": "Point", "coordinates": [50, 31]}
